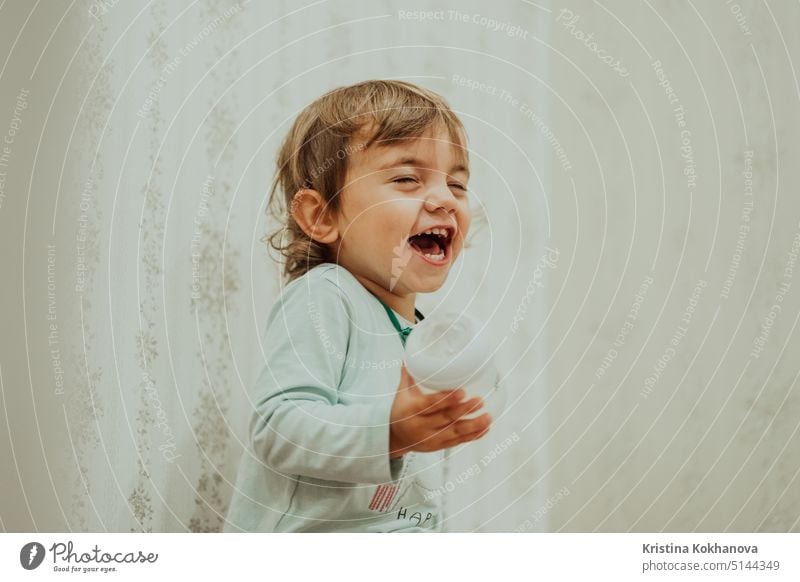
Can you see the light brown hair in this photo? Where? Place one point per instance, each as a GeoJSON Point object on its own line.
{"type": "Point", "coordinates": [315, 152]}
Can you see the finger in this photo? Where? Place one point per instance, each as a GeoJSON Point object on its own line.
{"type": "Point", "coordinates": [465, 438]}
{"type": "Point", "coordinates": [414, 391]}
{"type": "Point", "coordinates": [406, 381]}
{"type": "Point", "coordinates": [468, 426]}
{"type": "Point", "coordinates": [453, 413]}
{"type": "Point", "coordinates": [437, 443]}
{"type": "Point", "coordinates": [432, 403]}
{"type": "Point", "coordinates": [407, 388]}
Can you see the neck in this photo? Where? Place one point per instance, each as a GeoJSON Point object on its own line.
{"type": "Point", "coordinates": [402, 304]}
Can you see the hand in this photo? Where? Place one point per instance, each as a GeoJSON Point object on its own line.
{"type": "Point", "coordinates": [425, 423]}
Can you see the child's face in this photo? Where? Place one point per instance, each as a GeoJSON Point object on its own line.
{"type": "Point", "coordinates": [393, 193]}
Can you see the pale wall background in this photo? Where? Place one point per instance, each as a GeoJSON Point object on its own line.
{"type": "Point", "coordinates": [125, 391]}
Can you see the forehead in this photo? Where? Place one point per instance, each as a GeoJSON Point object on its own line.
{"type": "Point", "coordinates": [435, 148]}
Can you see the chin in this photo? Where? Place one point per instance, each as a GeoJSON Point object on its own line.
{"type": "Point", "coordinates": [428, 288]}
{"type": "Point", "coordinates": [430, 285]}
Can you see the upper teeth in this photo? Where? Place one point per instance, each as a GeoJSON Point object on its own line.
{"type": "Point", "coordinates": [436, 231]}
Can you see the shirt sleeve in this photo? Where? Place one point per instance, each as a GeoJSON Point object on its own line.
{"type": "Point", "coordinates": [298, 426]}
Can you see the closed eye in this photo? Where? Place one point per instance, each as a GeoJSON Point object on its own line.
{"type": "Point", "coordinates": [414, 180]}
{"type": "Point", "coordinates": [405, 180]}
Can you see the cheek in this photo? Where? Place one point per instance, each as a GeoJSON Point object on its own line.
{"type": "Point", "coordinates": [397, 216]}
{"type": "Point", "coordinates": [383, 225]}
{"type": "Point", "coordinates": [464, 221]}
{"type": "Point", "coordinates": [362, 218]}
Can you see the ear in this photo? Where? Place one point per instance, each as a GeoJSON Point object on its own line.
{"type": "Point", "coordinates": [315, 217]}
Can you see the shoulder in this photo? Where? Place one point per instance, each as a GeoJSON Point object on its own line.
{"type": "Point", "coordinates": [337, 276]}
{"type": "Point", "coordinates": [327, 289]}
{"type": "Point", "coordinates": [329, 278]}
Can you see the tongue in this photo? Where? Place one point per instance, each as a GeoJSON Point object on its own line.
{"type": "Point", "coordinates": [425, 243]}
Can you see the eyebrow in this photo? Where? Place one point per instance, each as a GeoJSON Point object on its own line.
{"type": "Point", "coordinates": [410, 161]}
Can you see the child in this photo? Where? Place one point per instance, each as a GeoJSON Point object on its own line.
{"type": "Point", "coordinates": [374, 180]}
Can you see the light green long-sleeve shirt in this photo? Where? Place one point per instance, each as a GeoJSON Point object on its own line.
{"type": "Point", "coordinates": [318, 452]}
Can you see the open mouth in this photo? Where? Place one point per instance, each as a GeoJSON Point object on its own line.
{"type": "Point", "coordinates": [433, 244]}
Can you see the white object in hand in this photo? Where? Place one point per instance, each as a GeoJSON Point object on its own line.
{"type": "Point", "coordinates": [453, 350]}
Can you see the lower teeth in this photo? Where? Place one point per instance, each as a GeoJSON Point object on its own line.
{"type": "Point", "coordinates": [437, 257]}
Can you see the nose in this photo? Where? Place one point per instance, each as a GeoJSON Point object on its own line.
{"type": "Point", "coordinates": [440, 196]}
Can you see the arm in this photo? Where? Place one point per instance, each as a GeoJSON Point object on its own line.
{"type": "Point", "coordinates": [298, 427]}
